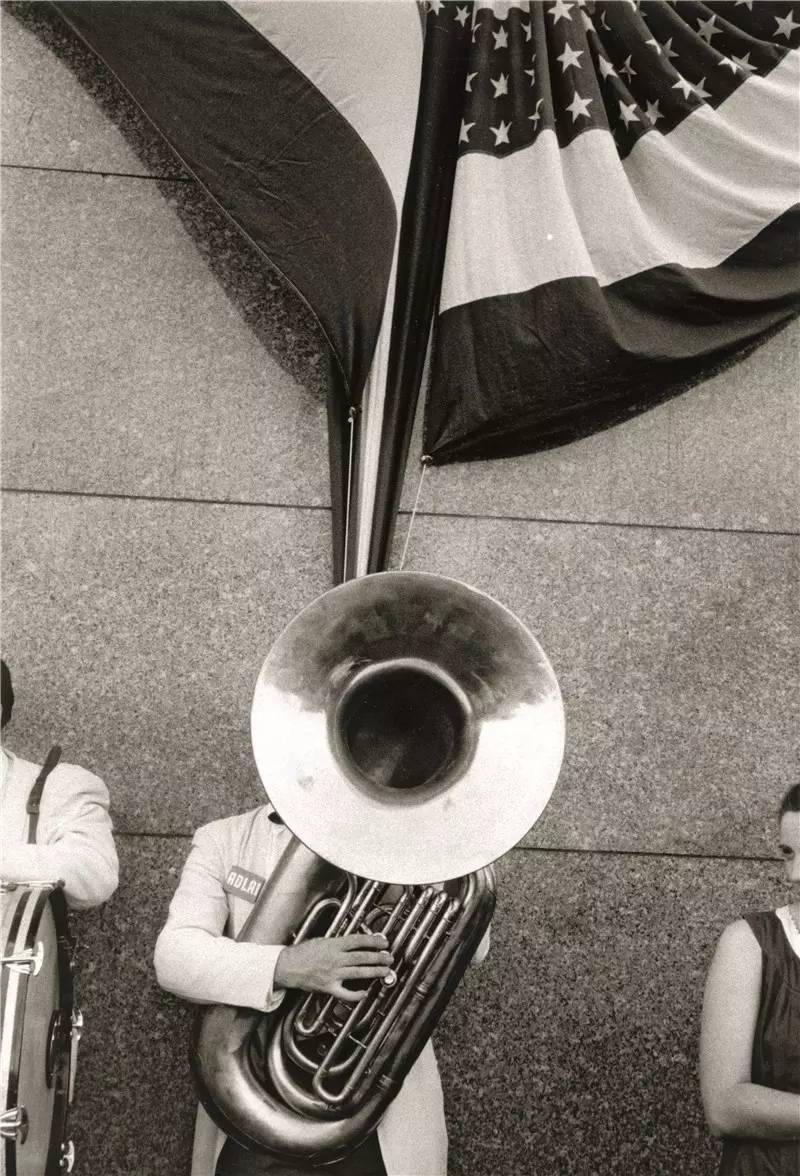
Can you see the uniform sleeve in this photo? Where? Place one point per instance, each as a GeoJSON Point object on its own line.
{"type": "Point", "coordinates": [193, 957]}
{"type": "Point", "coordinates": [74, 840]}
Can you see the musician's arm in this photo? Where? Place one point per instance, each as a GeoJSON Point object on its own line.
{"type": "Point", "coordinates": [193, 957]}
{"type": "Point", "coordinates": [733, 1103]}
{"type": "Point", "coordinates": [74, 840]}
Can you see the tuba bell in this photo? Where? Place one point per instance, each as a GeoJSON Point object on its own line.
{"type": "Point", "coordinates": [409, 730]}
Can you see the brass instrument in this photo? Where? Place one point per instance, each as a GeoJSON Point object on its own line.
{"type": "Point", "coordinates": [408, 729]}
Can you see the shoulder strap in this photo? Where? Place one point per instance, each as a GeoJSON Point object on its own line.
{"type": "Point", "coordinates": [35, 799]}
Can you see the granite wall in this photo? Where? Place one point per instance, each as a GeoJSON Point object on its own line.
{"type": "Point", "coordinates": [166, 513]}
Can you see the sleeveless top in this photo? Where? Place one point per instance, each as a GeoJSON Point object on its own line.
{"type": "Point", "coordinates": [776, 1049]}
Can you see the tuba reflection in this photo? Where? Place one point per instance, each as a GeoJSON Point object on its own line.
{"type": "Point", "coordinates": [409, 730]}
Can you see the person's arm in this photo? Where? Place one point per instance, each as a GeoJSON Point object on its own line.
{"type": "Point", "coordinates": [74, 840]}
{"type": "Point", "coordinates": [196, 961]}
{"type": "Point", "coordinates": [734, 1105]}
{"type": "Point", "coordinates": [193, 958]}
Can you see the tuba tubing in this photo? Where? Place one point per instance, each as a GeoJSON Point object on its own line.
{"type": "Point", "coordinates": [266, 1112]}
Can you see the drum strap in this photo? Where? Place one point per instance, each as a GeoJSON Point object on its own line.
{"type": "Point", "coordinates": [35, 798]}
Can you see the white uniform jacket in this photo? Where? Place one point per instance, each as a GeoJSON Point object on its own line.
{"type": "Point", "coordinates": [197, 958]}
{"type": "Point", "coordinates": [74, 839]}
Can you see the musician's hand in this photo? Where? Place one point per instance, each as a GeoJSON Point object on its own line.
{"type": "Point", "coordinates": [322, 965]}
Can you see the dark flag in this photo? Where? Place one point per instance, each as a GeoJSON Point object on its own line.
{"type": "Point", "coordinates": [624, 216]}
{"type": "Point", "coordinates": [287, 115]}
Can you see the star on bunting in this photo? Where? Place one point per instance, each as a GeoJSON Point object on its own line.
{"type": "Point", "coordinates": [786, 26]}
{"type": "Point", "coordinates": [744, 62]}
{"type": "Point", "coordinates": [685, 87]}
{"type": "Point", "coordinates": [569, 57]}
{"type": "Point", "coordinates": [653, 113]}
{"type": "Point", "coordinates": [559, 9]}
{"type": "Point", "coordinates": [579, 106]}
{"type": "Point", "coordinates": [626, 111]}
{"type": "Point", "coordinates": [707, 29]}
{"type": "Point", "coordinates": [501, 133]}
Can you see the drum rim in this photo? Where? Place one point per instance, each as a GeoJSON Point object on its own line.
{"type": "Point", "coordinates": [42, 895]}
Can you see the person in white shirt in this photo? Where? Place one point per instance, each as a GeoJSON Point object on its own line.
{"type": "Point", "coordinates": [197, 958]}
{"type": "Point", "coordinates": [64, 836]}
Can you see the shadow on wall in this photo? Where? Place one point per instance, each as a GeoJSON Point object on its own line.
{"type": "Point", "coordinates": [273, 311]}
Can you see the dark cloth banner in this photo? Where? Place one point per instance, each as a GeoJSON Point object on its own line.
{"type": "Point", "coordinates": [284, 114]}
{"type": "Point", "coordinates": [624, 217]}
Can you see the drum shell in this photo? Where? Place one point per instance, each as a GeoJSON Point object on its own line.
{"type": "Point", "coordinates": [36, 1027]}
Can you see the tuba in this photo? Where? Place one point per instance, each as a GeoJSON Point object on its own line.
{"type": "Point", "coordinates": [409, 730]}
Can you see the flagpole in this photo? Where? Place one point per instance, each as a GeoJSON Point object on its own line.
{"type": "Point", "coordinates": [416, 279]}
{"type": "Point", "coordinates": [369, 440]}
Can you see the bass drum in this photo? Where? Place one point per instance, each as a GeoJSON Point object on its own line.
{"type": "Point", "coordinates": [40, 1029]}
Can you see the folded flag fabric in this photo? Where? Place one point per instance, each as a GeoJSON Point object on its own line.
{"type": "Point", "coordinates": [298, 119]}
{"type": "Point", "coordinates": [624, 213]}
